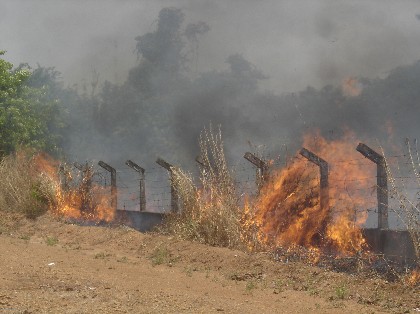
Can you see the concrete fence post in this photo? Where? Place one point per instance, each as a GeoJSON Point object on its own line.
{"type": "Point", "coordinates": [381, 183]}
{"type": "Point", "coordinates": [324, 197]}
{"type": "Point", "coordinates": [174, 194]}
{"type": "Point", "coordinates": [262, 169]}
{"type": "Point", "coordinates": [142, 189]}
{"type": "Point", "coordinates": [113, 183]}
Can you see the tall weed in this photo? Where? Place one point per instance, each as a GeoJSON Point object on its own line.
{"type": "Point", "coordinates": [211, 212]}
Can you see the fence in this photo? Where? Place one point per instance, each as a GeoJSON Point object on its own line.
{"type": "Point", "coordinates": [140, 195]}
{"type": "Point", "coordinates": [136, 189]}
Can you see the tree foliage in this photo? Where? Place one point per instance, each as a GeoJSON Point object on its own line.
{"type": "Point", "coordinates": [163, 47]}
{"type": "Point", "coordinates": [28, 115]}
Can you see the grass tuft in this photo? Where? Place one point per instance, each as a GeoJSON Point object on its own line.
{"type": "Point", "coordinates": [51, 241]}
{"type": "Point", "coordinates": [340, 292]}
{"type": "Point", "coordinates": [161, 255]}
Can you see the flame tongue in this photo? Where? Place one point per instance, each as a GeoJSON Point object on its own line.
{"type": "Point", "coordinates": [288, 211]}
{"type": "Point", "coordinates": [84, 200]}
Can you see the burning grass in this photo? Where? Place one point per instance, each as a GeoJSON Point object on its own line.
{"type": "Point", "coordinates": [78, 197]}
{"type": "Point", "coordinates": [81, 199]}
{"type": "Point", "coordinates": [413, 278]}
{"type": "Point", "coordinates": [286, 212]}
{"type": "Point", "coordinates": [285, 217]}
{"type": "Point", "coordinates": [33, 183]}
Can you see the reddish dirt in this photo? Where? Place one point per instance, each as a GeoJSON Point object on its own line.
{"type": "Point", "coordinates": [48, 266]}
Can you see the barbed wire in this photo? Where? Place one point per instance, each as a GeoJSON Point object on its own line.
{"type": "Point", "coordinates": [158, 187]}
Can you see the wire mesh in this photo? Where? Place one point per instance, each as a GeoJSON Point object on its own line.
{"type": "Point", "coordinates": [158, 187]}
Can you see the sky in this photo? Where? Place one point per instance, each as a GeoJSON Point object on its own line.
{"type": "Point", "coordinates": [296, 43]}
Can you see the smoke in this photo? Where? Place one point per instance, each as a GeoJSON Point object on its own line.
{"type": "Point", "coordinates": [244, 65]}
{"type": "Point", "coordinates": [296, 44]}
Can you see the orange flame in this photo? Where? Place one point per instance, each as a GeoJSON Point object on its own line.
{"type": "Point", "coordinates": [414, 278]}
{"type": "Point", "coordinates": [287, 211]}
{"type": "Point", "coordinates": [85, 201]}
{"type": "Point", "coordinates": [351, 87]}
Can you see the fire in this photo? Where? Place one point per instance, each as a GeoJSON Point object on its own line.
{"type": "Point", "coordinates": [351, 87]}
{"type": "Point", "coordinates": [84, 200]}
{"type": "Point", "coordinates": [287, 211]}
{"type": "Point", "coordinates": [414, 278]}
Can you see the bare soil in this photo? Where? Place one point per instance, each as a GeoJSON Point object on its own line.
{"type": "Point", "coordinates": [49, 266]}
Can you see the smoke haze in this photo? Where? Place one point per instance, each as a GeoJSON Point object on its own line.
{"type": "Point", "coordinates": [295, 43]}
{"type": "Point", "coordinates": [247, 68]}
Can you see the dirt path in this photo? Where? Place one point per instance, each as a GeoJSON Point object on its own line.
{"type": "Point", "coordinates": [51, 267]}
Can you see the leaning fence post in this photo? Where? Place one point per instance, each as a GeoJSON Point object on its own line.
{"type": "Point", "coordinates": [381, 183]}
{"type": "Point", "coordinates": [113, 182]}
{"type": "Point", "coordinates": [324, 197]}
{"type": "Point", "coordinates": [140, 170]}
{"type": "Point", "coordinates": [262, 169]}
{"type": "Point", "coordinates": [174, 195]}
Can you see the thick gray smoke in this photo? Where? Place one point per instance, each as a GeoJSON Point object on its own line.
{"type": "Point", "coordinates": [296, 43]}
{"type": "Point", "coordinates": [173, 71]}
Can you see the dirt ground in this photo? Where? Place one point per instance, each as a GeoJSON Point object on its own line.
{"type": "Point", "coordinates": [48, 266]}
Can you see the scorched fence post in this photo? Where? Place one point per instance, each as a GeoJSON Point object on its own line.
{"type": "Point", "coordinates": [113, 183]}
{"type": "Point", "coordinates": [382, 183]}
{"type": "Point", "coordinates": [324, 197]}
{"type": "Point", "coordinates": [140, 170]}
{"type": "Point", "coordinates": [262, 169]}
{"type": "Point", "coordinates": [174, 195]}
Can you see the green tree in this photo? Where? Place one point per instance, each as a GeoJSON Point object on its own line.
{"type": "Point", "coordinates": [28, 115]}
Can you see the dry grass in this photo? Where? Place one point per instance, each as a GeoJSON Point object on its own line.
{"type": "Point", "coordinates": [210, 214]}
{"type": "Point", "coordinates": [22, 189]}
